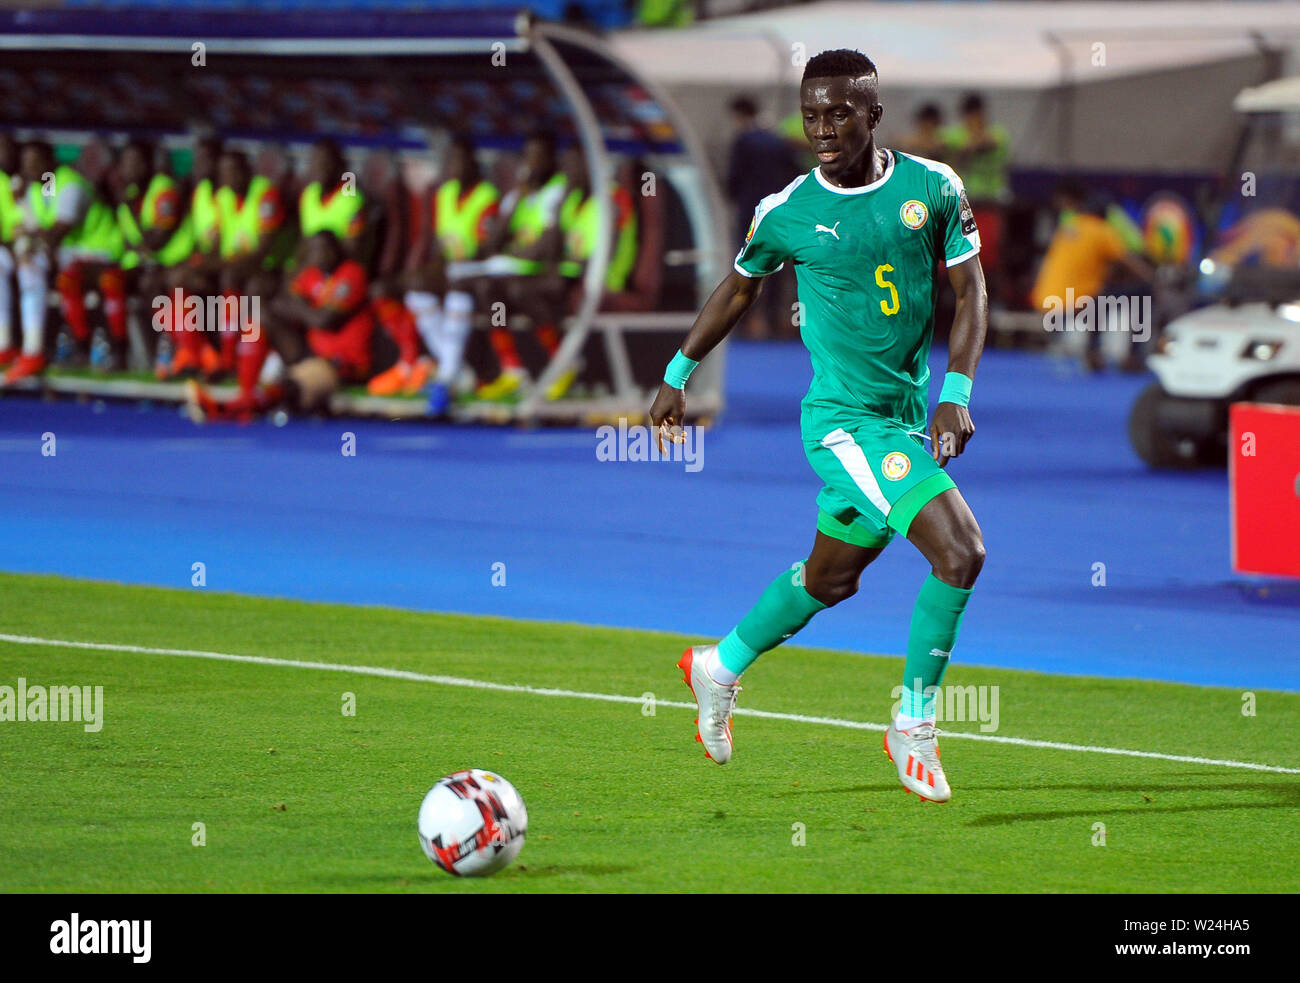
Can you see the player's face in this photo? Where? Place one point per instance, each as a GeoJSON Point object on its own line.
{"type": "Point", "coordinates": [323, 166]}
{"type": "Point", "coordinates": [839, 116]}
{"type": "Point", "coordinates": [232, 173]}
{"type": "Point", "coordinates": [135, 168]}
{"type": "Point", "coordinates": [538, 163]}
{"type": "Point", "coordinates": [574, 166]}
{"type": "Point", "coordinates": [459, 164]}
{"type": "Point", "coordinates": [33, 164]}
{"type": "Point", "coordinates": [205, 161]}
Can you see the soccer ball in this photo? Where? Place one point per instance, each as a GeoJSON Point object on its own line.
{"type": "Point", "coordinates": [472, 823]}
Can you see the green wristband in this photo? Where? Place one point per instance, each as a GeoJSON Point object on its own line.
{"type": "Point", "coordinates": [956, 389]}
{"type": "Point", "coordinates": [679, 370]}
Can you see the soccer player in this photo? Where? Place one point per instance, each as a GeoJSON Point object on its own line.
{"type": "Point", "coordinates": [865, 229]}
{"type": "Point", "coordinates": [253, 247]}
{"type": "Point", "coordinates": [455, 223]}
{"type": "Point", "coordinates": [544, 297]}
{"type": "Point", "coordinates": [156, 232]}
{"type": "Point", "coordinates": [321, 326]}
{"type": "Point", "coordinates": [331, 200]}
{"type": "Point", "coordinates": [11, 218]}
{"type": "Point", "coordinates": [528, 238]}
{"type": "Point", "coordinates": [66, 227]}
{"type": "Point", "coordinates": [197, 274]}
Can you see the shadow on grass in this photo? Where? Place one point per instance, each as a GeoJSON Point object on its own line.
{"type": "Point", "coordinates": [1281, 796]}
{"type": "Point", "coordinates": [582, 870]}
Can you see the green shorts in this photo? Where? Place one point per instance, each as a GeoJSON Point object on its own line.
{"type": "Point", "coordinates": [877, 479]}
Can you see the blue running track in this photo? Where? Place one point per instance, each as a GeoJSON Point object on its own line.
{"type": "Point", "coordinates": [420, 515]}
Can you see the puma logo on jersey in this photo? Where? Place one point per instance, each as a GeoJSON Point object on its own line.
{"type": "Point", "coordinates": [831, 230]}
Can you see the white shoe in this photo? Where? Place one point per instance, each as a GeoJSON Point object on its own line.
{"type": "Point", "coordinates": [916, 754]}
{"type": "Point", "coordinates": [715, 701]}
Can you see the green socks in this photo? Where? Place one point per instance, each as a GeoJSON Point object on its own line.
{"type": "Point", "coordinates": [935, 621]}
{"type": "Point", "coordinates": [784, 608]}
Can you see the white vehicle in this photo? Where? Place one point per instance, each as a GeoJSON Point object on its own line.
{"type": "Point", "coordinates": [472, 823]}
{"type": "Point", "coordinates": [1245, 347]}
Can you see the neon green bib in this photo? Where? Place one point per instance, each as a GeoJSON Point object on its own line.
{"type": "Point", "coordinates": [175, 250]}
{"type": "Point", "coordinates": [10, 214]}
{"type": "Point", "coordinates": [580, 220]}
{"type": "Point", "coordinates": [335, 215]}
{"type": "Point", "coordinates": [204, 221]}
{"type": "Point", "coordinates": [97, 231]}
{"type": "Point", "coordinates": [239, 221]}
{"type": "Point", "coordinates": [529, 220]}
{"type": "Point", "coordinates": [457, 222]}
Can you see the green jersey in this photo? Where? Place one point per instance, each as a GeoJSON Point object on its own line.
{"type": "Point", "coordinates": [866, 262]}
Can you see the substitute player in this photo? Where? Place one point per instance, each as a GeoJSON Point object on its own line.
{"type": "Point", "coordinates": [68, 229]}
{"type": "Point", "coordinates": [321, 326]}
{"type": "Point", "coordinates": [156, 232]}
{"type": "Point", "coordinates": [865, 230]}
{"type": "Point", "coordinates": [11, 218]}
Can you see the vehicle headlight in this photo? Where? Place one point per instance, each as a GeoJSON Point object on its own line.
{"type": "Point", "coordinates": [1290, 312]}
{"type": "Point", "coordinates": [1261, 349]}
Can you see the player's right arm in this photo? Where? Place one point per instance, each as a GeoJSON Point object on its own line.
{"type": "Point", "coordinates": [721, 312]}
{"type": "Point", "coordinates": [73, 205]}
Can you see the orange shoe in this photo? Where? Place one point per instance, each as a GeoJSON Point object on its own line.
{"type": "Point", "coordinates": [7, 355]}
{"type": "Point", "coordinates": [201, 405]}
{"type": "Point", "coordinates": [420, 372]}
{"type": "Point", "coordinates": [391, 381]}
{"type": "Point", "coordinates": [210, 361]}
{"type": "Point", "coordinates": [183, 360]}
{"type": "Point", "coordinates": [27, 365]}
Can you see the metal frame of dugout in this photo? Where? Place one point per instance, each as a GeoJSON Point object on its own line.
{"type": "Point", "coordinates": [446, 49]}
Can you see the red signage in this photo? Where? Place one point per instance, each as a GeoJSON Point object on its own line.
{"type": "Point", "coordinates": [1264, 485]}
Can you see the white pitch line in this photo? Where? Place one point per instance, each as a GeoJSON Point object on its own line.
{"type": "Point", "coordinates": [799, 718]}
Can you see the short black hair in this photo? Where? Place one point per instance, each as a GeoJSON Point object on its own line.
{"type": "Point", "coordinates": [930, 113]}
{"type": "Point", "coordinates": [147, 148]}
{"type": "Point", "coordinates": [838, 63]}
{"type": "Point", "coordinates": [973, 102]}
{"type": "Point", "coordinates": [330, 146]}
{"type": "Point", "coordinates": [744, 106]}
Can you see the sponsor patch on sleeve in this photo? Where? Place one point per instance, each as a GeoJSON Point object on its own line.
{"type": "Point", "coordinates": [967, 216]}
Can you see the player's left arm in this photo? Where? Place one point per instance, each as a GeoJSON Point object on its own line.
{"type": "Point", "coordinates": [951, 426]}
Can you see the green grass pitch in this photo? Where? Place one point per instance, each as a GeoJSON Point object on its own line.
{"type": "Point", "coordinates": [295, 796]}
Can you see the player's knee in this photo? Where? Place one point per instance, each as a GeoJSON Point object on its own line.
{"type": "Point", "coordinates": [962, 561]}
{"type": "Point", "coordinates": [831, 588]}
{"type": "Point", "coordinates": [111, 282]}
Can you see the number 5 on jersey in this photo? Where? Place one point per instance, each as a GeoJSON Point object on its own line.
{"type": "Point", "coordinates": [887, 306]}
